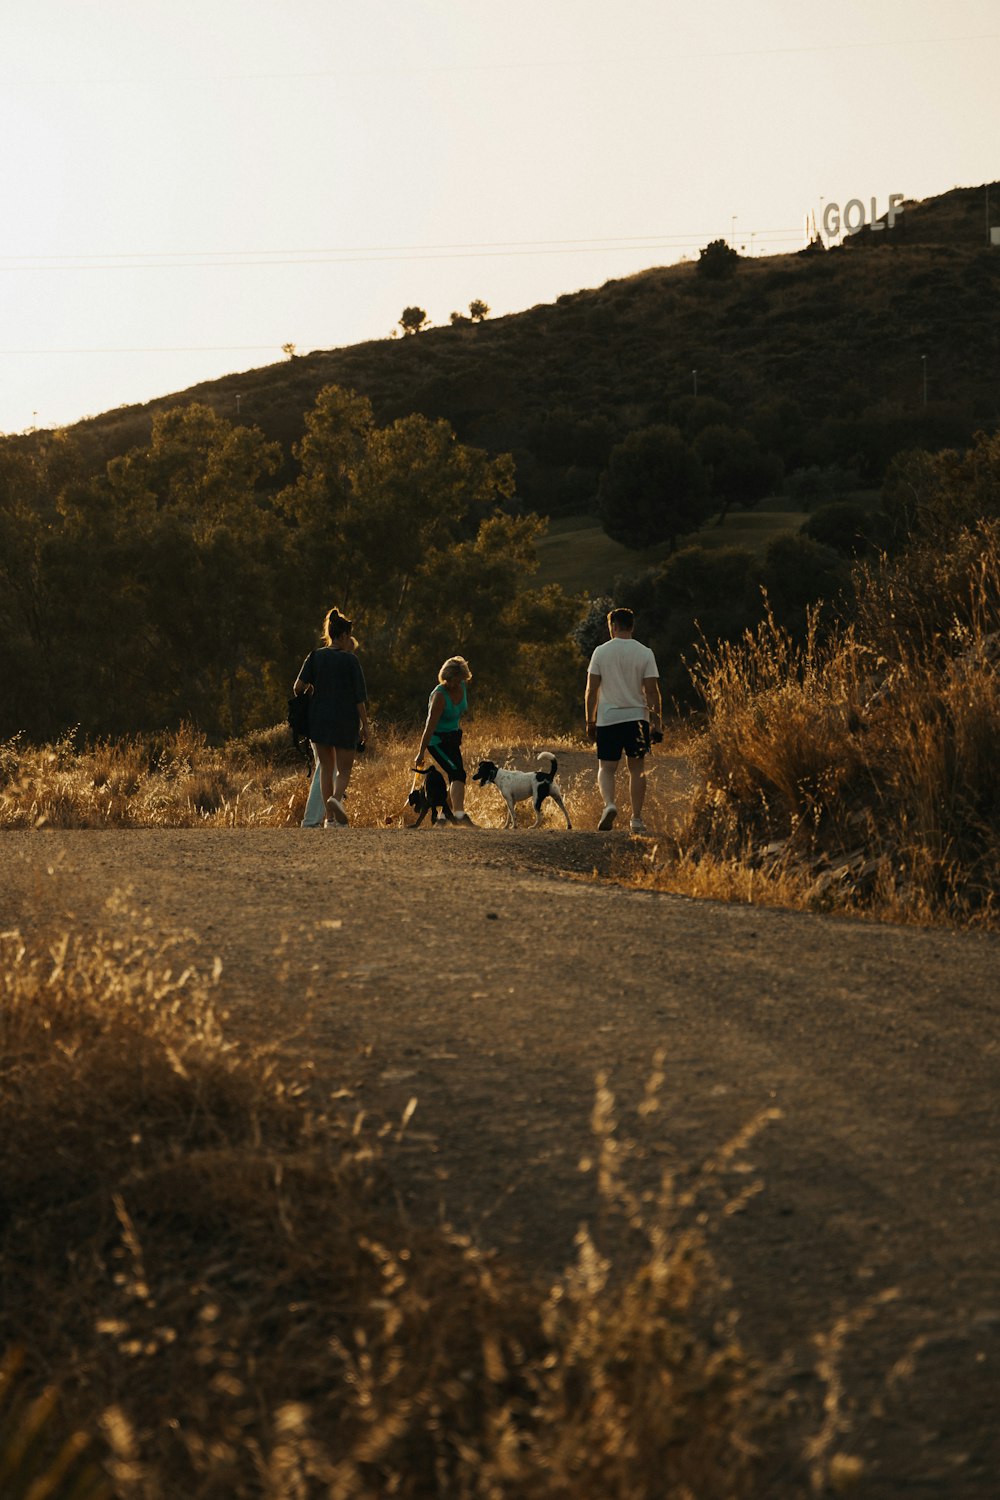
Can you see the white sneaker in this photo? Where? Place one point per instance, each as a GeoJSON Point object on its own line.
{"type": "Point", "coordinates": [636, 825]}
{"type": "Point", "coordinates": [337, 810]}
{"type": "Point", "coordinates": [608, 817]}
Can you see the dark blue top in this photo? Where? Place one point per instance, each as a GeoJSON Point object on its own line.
{"type": "Point", "coordinates": [338, 687]}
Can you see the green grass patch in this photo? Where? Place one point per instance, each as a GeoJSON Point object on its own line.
{"type": "Point", "coordinates": [576, 553]}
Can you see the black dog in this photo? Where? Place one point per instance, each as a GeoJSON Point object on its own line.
{"type": "Point", "coordinates": [431, 798]}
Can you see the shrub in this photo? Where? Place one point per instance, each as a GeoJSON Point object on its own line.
{"type": "Point", "coordinates": [882, 734]}
{"type": "Point", "coordinates": [717, 261]}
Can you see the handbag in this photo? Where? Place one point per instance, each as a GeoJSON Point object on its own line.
{"type": "Point", "coordinates": [298, 716]}
{"type": "Point", "coordinates": [298, 713]}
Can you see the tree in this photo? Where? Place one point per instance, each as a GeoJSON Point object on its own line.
{"type": "Point", "coordinates": [738, 472]}
{"type": "Point", "coordinates": [32, 610]}
{"type": "Point", "coordinates": [936, 495]}
{"type": "Point", "coordinates": [798, 573]}
{"type": "Point", "coordinates": [694, 413]}
{"type": "Point", "coordinates": [197, 465]}
{"type": "Point", "coordinates": [195, 548]}
{"type": "Point", "coordinates": [653, 490]}
{"type": "Point", "coordinates": [571, 440]}
{"type": "Point", "coordinates": [699, 594]}
{"type": "Point", "coordinates": [413, 320]}
{"type": "Point", "coordinates": [403, 527]}
{"type": "Point", "coordinates": [717, 261]}
{"type": "Point", "coordinates": [845, 525]}
{"type": "Point", "coordinates": [478, 310]}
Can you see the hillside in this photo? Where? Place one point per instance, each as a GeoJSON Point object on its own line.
{"type": "Point", "coordinates": [831, 358]}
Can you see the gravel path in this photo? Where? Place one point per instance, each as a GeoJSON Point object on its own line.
{"type": "Point", "coordinates": [490, 976]}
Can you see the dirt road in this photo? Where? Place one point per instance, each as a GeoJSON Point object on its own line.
{"type": "Point", "coordinates": [486, 975]}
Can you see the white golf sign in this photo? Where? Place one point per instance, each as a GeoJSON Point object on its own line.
{"type": "Point", "coordinates": [855, 215]}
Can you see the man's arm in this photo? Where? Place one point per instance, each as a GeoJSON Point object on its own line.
{"type": "Point", "coordinates": [593, 693]}
{"type": "Point", "coordinates": [654, 702]}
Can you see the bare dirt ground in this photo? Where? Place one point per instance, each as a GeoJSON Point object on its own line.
{"type": "Point", "coordinates": [490, 976]}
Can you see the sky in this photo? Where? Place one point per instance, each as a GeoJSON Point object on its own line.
{"type": "Point", "coordinates": [188, 185]}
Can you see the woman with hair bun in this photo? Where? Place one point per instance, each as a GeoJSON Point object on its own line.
{"type": "Point", "coordinates": [338, 709]}
{"type": "Point", "coordinates": [442, 736]}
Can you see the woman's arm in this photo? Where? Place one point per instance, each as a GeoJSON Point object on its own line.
{"type": "Point", "coordinates": [361, 698]}
{"type": "Point", "coordinates": [303, 684]}
{"type": "Point", "coordinates": [433, 718]}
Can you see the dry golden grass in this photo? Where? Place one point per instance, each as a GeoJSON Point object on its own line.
{"type": "Point", "coordinates": [858, 772]}
{"type": "Point", "coordinates": [207, 1258]}
{"type": "Point", "coordinates": [38, 1460]}
{"type": "Point", "coordinates": [179, 780]}
{"type": "Point", "coordinates": [172, 780]}
{"type": "Point", "coordinates": [825, 776]}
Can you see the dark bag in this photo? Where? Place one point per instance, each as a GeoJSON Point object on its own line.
{"type": "Point", "coordinates": [298, 716]}
{"type": "Point", "coordinates": [298, 719]}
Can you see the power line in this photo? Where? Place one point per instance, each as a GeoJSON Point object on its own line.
{"type": "Point", "coordinates": [603, 239]}
{"type": "Point", "coordinates": [154, 349]}
{"type": "Point", "coordinates": [232, 260]}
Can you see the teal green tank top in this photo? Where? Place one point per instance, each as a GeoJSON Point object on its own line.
{"type": "Point", "coordinates": [448, 722]}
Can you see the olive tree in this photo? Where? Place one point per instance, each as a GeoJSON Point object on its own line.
{"type": "Point", "coordinates": [654, 489]}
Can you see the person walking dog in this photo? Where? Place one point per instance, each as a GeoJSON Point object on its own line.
{"type": "Point", "coordinates": [442, 736]}
{"type": "Point", "coordinates": [623, 697]}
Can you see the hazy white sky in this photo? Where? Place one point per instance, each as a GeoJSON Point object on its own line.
{"type": "Point", "coordinates": [186, 185]}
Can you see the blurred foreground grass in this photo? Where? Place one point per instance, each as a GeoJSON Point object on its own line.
{"type": "Point", "coordinates": [208, 1261]}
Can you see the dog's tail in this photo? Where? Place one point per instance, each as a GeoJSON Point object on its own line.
{"type": "Point", "coordinates": [418, 771]}
{"type": "Point", "coordinates": [548, 763]}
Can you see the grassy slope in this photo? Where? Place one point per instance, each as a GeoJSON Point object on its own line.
{"type": "Point", "coordinates": [577, 554]}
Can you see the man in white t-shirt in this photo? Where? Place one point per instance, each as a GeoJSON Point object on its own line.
{"type": "Point", "coordinates": [623, 696]}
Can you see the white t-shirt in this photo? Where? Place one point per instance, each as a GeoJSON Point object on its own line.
{"type": "Point", "coordinates": [622, 664]}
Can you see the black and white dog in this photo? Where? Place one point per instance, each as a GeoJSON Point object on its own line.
{"type": "Point", "coordinates": [518, 786]}
{"type": "Point", "coordinates": [431, 798]}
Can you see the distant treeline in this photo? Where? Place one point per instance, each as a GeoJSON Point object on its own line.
{"type": "Point", "coordinates": [186, 579]}
{"type": "Point", "coordinates": [178, 583]}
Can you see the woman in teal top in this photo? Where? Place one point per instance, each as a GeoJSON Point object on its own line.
{"type": "Point", "coordinates": [442, 736]}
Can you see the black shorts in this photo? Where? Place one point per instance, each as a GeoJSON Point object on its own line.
{"type": "Point", "coordinates": [446, 749]}
{"type": "Point", "coordinates": [632, 737]}
{"type": "Point", "coordinates": [340, 730]}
